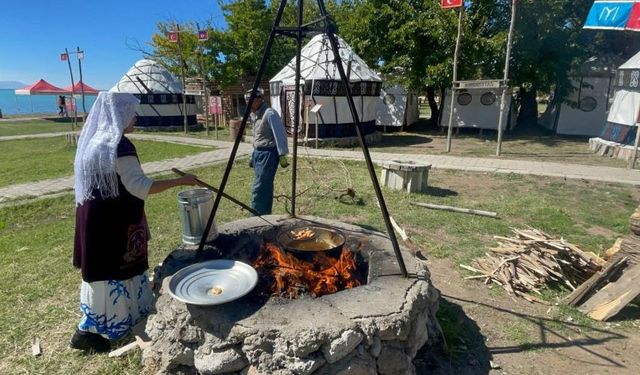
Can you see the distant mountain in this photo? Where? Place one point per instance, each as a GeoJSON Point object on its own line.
{"type": "Point", "coordinates": [11, 84]}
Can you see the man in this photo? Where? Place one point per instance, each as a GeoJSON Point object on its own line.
{"type": "Point", "coordinates": [269, 149]}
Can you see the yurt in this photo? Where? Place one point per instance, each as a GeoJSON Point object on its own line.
{"type": "Point", "coordinates": [322, 85]}
{"type": "Point", "coordinates": [478, 107]}
{"type": "Point", "coordinates": [160, 95]}
{"type": "Point", "coordinates": [584, 110]}
{"type": "Point", "coordinates": [397, 107]}
{"type": "Point", "coordinates": [620, 129]}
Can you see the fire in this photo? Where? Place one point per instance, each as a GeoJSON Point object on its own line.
{"type": "Point", "coordinates": [293, 277]}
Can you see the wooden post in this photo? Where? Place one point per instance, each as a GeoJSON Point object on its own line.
{"type": "Point", "coordinates": [505, 82]}
{"type": "Point", "coordinates": [182, 78]}
{"type": "Point", "coordinates": [204, 84]}
{"type": "Point", "coordinates": [455, 77]}
{"type": "Point", "coordinates": [73, 93]}
{"type": "Point", "coordinates": [316, 116]}
{"type": "Point", "coordinates": [78, 54]}
{"type": "Point", "coordinates": [632, 164]}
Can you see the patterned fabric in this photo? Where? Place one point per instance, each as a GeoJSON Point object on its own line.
{"type": "Point", "coordinates": [111, 307]}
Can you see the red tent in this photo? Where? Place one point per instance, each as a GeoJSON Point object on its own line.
{"type": "Point", "coordinates": [77, 89]}
{"type": "Point", "coordinates": [41, 87]}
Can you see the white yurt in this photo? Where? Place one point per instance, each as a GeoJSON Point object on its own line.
{"type": "Point", "coordinates": [478, 107]}
{"type": "Point", "coordinates": [620, 128]}
{"type": "Point", "coordinates": [322, 85]}
{"type": "Point", "coordinates": [397, 107]}
{"type": "Point", "coordinates": [584, 110]}
{"type": "Point", "coordinates": [160, 95]}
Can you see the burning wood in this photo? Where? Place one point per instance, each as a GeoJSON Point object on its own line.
{"type": "Point", "coordinates": [525, 263]}
{"type": "Point", "coordinates": [292, 277]}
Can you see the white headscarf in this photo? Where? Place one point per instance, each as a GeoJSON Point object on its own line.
{"type": "Point", "coordinates": [95, 162]}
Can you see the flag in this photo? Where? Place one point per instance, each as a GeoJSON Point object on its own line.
{"type": "Point", "coordinates": [173, 36]}
{"type": "Point", "coordinates": [203, 35]}
{"type": "Point", "coordinates": [614, 15]}
{"type": "Point", "coordinates": [80, 55]}
{"type": "Point", "coordinates": [446, 4]}
{"type": "Point", "coordinates": [64, 57]}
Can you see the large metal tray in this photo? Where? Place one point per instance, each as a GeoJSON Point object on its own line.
{"type": "Point", "coordinates": [213, 282]}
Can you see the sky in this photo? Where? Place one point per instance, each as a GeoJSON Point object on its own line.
{"type": "Point", "coordinates": [35, 32]}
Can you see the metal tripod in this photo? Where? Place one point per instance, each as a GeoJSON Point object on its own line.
{"type": "Point", "coordinates": [326, 25]}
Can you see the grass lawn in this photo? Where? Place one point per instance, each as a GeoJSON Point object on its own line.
{"type": "Point", "coordinates": [33, 127]}
{"type": "Point", "coordinates": [538, 147]}
{"type": "Point", "coordinates": [39, 290]}
{"type": "Point", "coordinates": [35, 159]}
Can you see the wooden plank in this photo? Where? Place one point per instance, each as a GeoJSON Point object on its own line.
{"type": "Point", "coordinates": [614, 296]}
{"type": "Point", "coordinates": [594, 282]}
{"type": "Point", "coordinates": [123, 350]}
{"type": "Point", "coordinates": [36, 350]}
{"type": "Point", "coordinates": [455, 209]}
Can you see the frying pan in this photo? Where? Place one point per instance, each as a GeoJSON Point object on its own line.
{"type": "Point", "coordinates": [321, 239]}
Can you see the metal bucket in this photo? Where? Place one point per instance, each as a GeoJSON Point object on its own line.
{"type": "Point", "coordinates": [195, 207]}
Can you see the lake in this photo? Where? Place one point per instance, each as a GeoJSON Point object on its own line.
{"type": "Point", "coordinates": [12, 104]}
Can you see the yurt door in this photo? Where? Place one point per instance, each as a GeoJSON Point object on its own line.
{"type": "Point", "coordinates": [288, 98]}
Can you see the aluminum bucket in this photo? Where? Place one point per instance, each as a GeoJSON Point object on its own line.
{"type": "Point", "coordinates": [195, 207]}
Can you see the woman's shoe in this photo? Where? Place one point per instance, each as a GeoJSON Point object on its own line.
{"type": "Point", "coordinates": [89, 341]}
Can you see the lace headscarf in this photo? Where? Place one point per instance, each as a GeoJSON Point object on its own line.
{"type": "Point", "coordinates": [95, 162]}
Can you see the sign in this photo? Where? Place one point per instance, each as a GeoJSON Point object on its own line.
{"type": "Point", "coordinates": [80, 55]}
{"type": "Point", "coordinates": [316, 108]}
{"type": "Point", "coordinates": [203, 35]}
{"type": "Point", "coordinates": [215, 105]}
{"type": "Point", "coordinates": [446, 4]}
{"type": "Point", "coordinates": [173, 36]}
{"type": "Point", "coordinates": [486, 84]}
{"type": "Point", "coordinates": [614, 15]}
{"type": "Point", "coordinates": [64, 57]}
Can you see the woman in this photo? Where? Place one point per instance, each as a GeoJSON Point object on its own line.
{"type": "Point", "coordinates": [111, 228]}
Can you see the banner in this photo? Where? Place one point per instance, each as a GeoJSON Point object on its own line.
{"type": "Point", "coordinates": [215, 105]}
{"type": "Point", "coordinates": [173, 36]}
{"type": "Point", "coordinates": [203, 35]}
{"type": "Point", "coordinates": [446, 4]}
{"type": "Point", "coordinates": [614, 15]}
{"type": "Point", "coordinates": [64, 57]}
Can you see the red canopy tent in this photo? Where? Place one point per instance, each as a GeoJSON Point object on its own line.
{"type": "Point", "coordinates": [41, 87]}
{"type": "Point", "coordinates": [78, 87]}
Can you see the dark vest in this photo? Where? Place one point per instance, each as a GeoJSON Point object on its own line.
{"type": "Point", "coordinates": [111, 234]}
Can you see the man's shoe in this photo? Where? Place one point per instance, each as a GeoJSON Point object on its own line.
{"type": "Point", "coordinates": [88, 342]}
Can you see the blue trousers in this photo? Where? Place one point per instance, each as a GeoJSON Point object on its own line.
{"type": "Point", "coordinates": [265, 165]}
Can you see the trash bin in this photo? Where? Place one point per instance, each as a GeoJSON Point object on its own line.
{"type": "Point", "coordinates": [195, 207]}
{"type": "Point", "coordinates": [234, 129]}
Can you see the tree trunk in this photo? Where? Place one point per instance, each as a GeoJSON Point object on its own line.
{"type": "Point", "coordinates": [435, 111]}
{"type": "Point", "coordinates": [528, 115]}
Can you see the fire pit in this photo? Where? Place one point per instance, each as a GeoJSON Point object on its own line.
{"type": "Point", "coordinates": [345, 313]}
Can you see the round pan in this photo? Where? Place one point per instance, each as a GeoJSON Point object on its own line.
{"type": "Point", "coordinates": [307, 240]}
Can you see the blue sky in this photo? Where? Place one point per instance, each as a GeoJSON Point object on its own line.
{"type": "Point", "coordinates": [35, 32]}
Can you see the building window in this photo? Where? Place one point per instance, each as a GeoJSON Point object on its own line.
{"type": "Point", "coordinates": [488, 98]}
{"type": "Point", "coordinates": [588, 104]}
{"type": "Point", "coordinates": [464, 98]}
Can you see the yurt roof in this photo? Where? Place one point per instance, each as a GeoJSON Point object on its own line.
{"type": "Point", "coordinates": [632, 63]}
{"type": "Point", "coordinates": [317, 63]}
{"type": "Point", "coordinates": [155, 78]}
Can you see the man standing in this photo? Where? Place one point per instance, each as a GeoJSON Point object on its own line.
{"type": "Point", "coordinates": [269, 149]}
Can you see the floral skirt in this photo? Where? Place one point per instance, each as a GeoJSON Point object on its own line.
{"type": "Point", "coordinates": [111, 307]}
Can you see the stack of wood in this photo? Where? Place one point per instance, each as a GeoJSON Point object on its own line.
{"type": "Point", "coordinates": [532, 259]}
{"type": "Point", "coordinates": [608, 291]}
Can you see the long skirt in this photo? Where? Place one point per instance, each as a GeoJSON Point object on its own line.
{"type": "Point", "coordinates": [111, 307]}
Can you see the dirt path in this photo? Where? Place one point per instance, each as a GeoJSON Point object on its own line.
{"type": "Point", "coordinates": [490, 329]}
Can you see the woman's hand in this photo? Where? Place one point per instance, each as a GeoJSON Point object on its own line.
{"type": "Point", "coordinates": [189, 179]}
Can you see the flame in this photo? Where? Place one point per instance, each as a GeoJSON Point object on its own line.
{"type": "Point", "coordinates": [293, 277]}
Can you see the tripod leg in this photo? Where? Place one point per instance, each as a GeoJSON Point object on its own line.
{"type": "Point", "coordinates": [363, 144]}
{"type": "Point", "coordinates": [296, 122]}
{"type": "Point", "coordinates": [236, 144]}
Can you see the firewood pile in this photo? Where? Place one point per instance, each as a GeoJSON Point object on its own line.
{"type": "Point", "coordinates": [532, 259]}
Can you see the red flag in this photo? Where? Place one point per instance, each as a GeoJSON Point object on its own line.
{"type": "Point", "coordinates": [446, 4]}
{"type": "Point", "coordinates": [634, 18]}
{"type": "Point", "coordinates": [173, 36]}
{"type": "Point", "coordinates": [64, 57]}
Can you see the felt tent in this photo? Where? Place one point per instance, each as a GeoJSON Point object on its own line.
{"type": "Point", "coordinates": [397, 107]}
{"type": "Point", "coordinates": [584, 110]}
{"type": "Point", "coordinates": [160, 95]}
{"type": "Point", "coordinates": [477, 107]}
{"type": "Point", "coordinates": [322, 85]}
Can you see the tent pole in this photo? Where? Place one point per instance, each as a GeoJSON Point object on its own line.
{"type": "Point", "coordinates": [455, 76]}
{"type": "Point", "coordinates": [184, 85]}
{"type": "Point", "coordinates": [506, 78]}
{"type": "Point", "coordinates": [84, 109]}
{"type": "Point", "coordinates": [73, 94]}
{"type": "Point", "coordinates": [296, 121]}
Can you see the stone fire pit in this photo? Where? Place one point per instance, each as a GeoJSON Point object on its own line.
{"type": "Point", "coordinates": [375, 328]}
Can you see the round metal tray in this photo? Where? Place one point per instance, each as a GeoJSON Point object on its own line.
{"type": "Point", "coordinates": [213, 282]}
